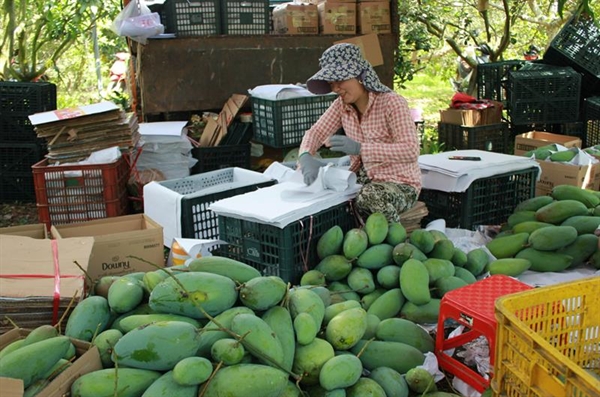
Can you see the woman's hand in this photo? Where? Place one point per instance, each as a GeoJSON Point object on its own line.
{"type": "Point", "coordinates": [309, 167]}
{"type": "Point", "coordinates": [341, 143]}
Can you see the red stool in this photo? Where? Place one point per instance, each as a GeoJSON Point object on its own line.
{"type": "Point", "coordinates": [473, 307]}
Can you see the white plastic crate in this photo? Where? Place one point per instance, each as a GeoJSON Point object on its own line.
{"type": "Point", "coordinates": [180, 206]}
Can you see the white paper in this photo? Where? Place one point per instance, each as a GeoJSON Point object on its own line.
{"type": "Point", "coordinates": [266, 205]}
{"type": "Point", "coordinates": [329, 179]}
{"type": "Point", "coordinates": [279, 91]}
{"type": "Point", "coordinates": [440, 173]}
{"type": "Point", "coordinates": [168, 128]}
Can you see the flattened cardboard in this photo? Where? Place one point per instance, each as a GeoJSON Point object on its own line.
{"type": "Point", "coordinates": [370, 47]}
{"type": "Point", "coordinates": [215, 130]}
{"type": "Point", "coordinates": [38, 231]}
{"type": "Point", "coordinates": [29, 263]}
{"type": "Point", "coordinates": [72, 113]}
{"type": "Point", "coordinates": [534, 139]}
{"type": "Point", "coordinates": [115, 239]}
{"type": "Point", "coordinates": [88, 360]}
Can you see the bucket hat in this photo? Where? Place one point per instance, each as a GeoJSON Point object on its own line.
{"type": "Point", "coordinates": [341, 62]}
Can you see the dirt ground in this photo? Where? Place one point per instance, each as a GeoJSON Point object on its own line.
{"type": "Point", "coordinates": [15, 214]}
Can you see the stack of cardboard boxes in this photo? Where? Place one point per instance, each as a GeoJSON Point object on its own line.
{"type": "Point", "coordinates": [332, 17]}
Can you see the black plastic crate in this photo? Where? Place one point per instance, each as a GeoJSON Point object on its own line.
{"type": "Point", "coordinates": [488, 201]}
{"type": "Point", "coordinates": [16, 177]}
{"type": "Point", "coordinates": [492, 79]}
{"type": "Point", "coordinates": [489, 137]}
{"type": "Point", "coordinates": [577, 45]}
{"type": "Point", "coordinates": [246, 17]}
{"type": "Point", "coordinates": [282, 123]}
{"type": "Point", "coordinates": [18, 101]}
{"type": "Point", "coordinates": [546, 95]}
{"type": "Point", "coordinates": [217, 157]}
{"type": "Point", "coordinates": [274, 251]}
{"type": "Point", "coordinates": [592, 121]}
{"type": "Point", "coordinates": [193, 18]}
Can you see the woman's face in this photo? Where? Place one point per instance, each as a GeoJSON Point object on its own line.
{"type": "Point", "coordinates": [351, 91]}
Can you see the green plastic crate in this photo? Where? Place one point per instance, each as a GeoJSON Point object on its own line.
{"type": "Point", "coordinates": [282, 123]}
{"type": "Point", "coordinates": [488, 201]}
{"type": "Point", "coordinates": [285, 252]}
{"type": "Point", "coordinates": [492, 79]}
{"type": "Point", "coordinates": [193, 17]}
{"type": "Point", "coordinates": [246, 17]}
{"type": "Point", "coordinates": [577, 45]}
{"type": "Point", "coordinates": [489, 137]}
{"type": "Point", "coordinates": [547, 94]}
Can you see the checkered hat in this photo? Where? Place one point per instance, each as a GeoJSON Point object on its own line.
{"type": "Point", "coordinates": [341, 62]}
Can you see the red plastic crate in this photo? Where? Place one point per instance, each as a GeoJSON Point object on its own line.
{"type": "Point", "coordinates": [78, 193]}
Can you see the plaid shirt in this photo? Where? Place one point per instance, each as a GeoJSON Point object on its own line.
{"type": "Point", "coordinates": [389, 147]}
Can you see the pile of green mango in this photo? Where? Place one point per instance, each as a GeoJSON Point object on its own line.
{"type": "Point", "coordinates": [552, 153]}
{"type": "Point", "coordinates": [549, 233]}
{"type": "Point", "coordinates": [218, 327]}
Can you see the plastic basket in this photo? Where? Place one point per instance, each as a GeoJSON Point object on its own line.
{"type": "Point", "coordinates": [286, 252]}
{"type": "Point", "coordinates": [17, 102]}
{"type": "Point", "coordinates": [488, 201]}
{"type": "Point", "coordinates": [78, 193]}
{"type": "Point", "coordinates": [547, 341]}
{"type": "Point", "coordinates": [490, 137]}
{"type": "Point", "coordinates": [577, 45]}
{"type": "Point", "coordinates": [193, 17]}
{"type": "Point", "coordinates": [190, 197]}
{"type": "Point", "coordinates": [217, 157]}
{"type": "Point", "coordinates": [493, 77]}
{"type": "Point", "coordinates": [246, 17]}
{"type": "Point", "coordinates": [282, 123]}
{"type": "Point", "coordinates": [16, 179]}
{"type": "Point", "coordinates": [544, 95]}
{"type": "Point", "coordinates": [592, 121]}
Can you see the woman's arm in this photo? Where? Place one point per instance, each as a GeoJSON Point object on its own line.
{"type": "Point", "coordinates": [326, 126]}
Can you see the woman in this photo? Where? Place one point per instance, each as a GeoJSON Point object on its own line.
{"type": "Point", "coordinates": [380, 135]}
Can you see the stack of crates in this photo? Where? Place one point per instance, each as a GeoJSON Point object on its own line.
{"type": "Point", "coordinates": [20, 147]}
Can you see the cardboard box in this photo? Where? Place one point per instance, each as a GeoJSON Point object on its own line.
{"type": "Point", "coordinates": [374, 17]}
{"type": "Point", "coordinates": [38, 231]}
{"type": "Point", "coordinates": [116, 240]}
{"type": "Point", "coordinates": [88, 360]}
{"type": "Point", "coordinates": [555, 173]}
{"type": "Point", "coordinates": [296, 19]}
{"type": "Point", "coordinates": [472, 117]}
{"type": "Point", "coordinates": [369, 46]}
{"type": "Point", "coordinates": [337, 18]}
{"type": "Point", "coordinates": [534, 139]}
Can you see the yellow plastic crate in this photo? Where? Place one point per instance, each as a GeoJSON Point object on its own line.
{"type": "Point", "coordinates": [548, 341]}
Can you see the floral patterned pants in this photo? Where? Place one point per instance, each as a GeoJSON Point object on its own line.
{"type": "Point", "coordinates": [389, 198]}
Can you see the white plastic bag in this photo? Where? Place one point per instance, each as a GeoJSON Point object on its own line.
{"type": "Point", "coordinates": [137, 22]}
